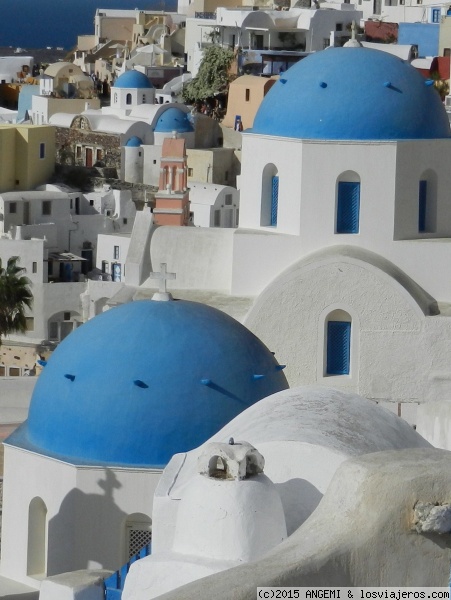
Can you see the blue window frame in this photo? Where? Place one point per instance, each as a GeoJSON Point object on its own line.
{"type": "Point", "coordinates": [436, 15]}
{"type": "Point", "coordinates": [348, 207]}
{"type": "Point", "coordinates": [422, 204]}
{"type": "Point", "coordinates": [338, 348]}
{"type": "Point", "coordinates": [274, 200]}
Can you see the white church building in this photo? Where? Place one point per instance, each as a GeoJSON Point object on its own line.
{"type": "Point", "coordinates": [341, 266]}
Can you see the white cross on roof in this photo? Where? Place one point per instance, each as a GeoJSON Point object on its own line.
{"type": "Point", "coordinates": [163, 276]}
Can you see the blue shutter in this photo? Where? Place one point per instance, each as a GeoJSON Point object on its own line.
{"type": "Point", "coordinates": [348, 207]}
{"type": "Point", "coordinates": [338, 347]}
{"type": "Point", "coordinates": [422, 200]}
{"type": "Point", "coordinates": [274, 200]}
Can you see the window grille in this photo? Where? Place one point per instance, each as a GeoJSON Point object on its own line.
{"type": "Point", "coordinates": [138, 538]}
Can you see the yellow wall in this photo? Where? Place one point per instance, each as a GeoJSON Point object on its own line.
{"type": "Point", "coordinates": [7, 162]}
{"type": "Point", "coordinates": [444, 35]}
{"type": "Point", "coordinates": [21, 167]}
{"type": "Point", "coordinates": [34, 171]}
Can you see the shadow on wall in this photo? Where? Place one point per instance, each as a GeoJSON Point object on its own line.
{"type": "Point", "coordinates": [86, 533]}
{"type": "Point", "coordinates": [299, 499]}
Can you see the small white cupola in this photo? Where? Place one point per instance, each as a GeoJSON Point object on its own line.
{"type": "Point", "coordinates": [230, 510]}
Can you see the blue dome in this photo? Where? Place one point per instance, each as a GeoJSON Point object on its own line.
{"type": "Point", "coordinates": [352, 94]}
{"type": "Point", "coordinates": [134, 142]}
{"type": "Point", "coordinates": [173, 119]}
{"type": "Point", "coordinates": [132, 79]}
{"type": "Point", "coordinates": [143, 381]}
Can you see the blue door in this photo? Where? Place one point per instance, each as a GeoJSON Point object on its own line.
{"type": "Point", "coordinates": [274, 200]}
{"type": "Point", "coordinates": [338, 347]}
{"type": "Point", "coordinates": [348, 207]}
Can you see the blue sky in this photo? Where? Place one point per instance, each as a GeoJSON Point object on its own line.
{"type": "Point", "coordinates": [40, 23]}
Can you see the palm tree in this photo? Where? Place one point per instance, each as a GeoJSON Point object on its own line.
{"type": "Point", "coordinates": [15, 297]}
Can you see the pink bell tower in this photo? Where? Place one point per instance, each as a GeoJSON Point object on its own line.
{"type": "Point", "coordinates": [172, 199]}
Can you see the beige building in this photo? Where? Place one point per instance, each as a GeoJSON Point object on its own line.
{"type": "Point", "coordinates": [245, 96]}
{"type": "Point", "coordinates": [28, 156]}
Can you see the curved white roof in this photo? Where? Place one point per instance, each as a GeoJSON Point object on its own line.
{"type": "Point", "coordinates": [206, 193]}
{"type": "Point", "coordinates": [62, 119]}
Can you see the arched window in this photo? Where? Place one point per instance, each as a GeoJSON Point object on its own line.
{"type": "Point", "coordinates": [338, 343]}
{"type": "Point", "coordinates": [427, 202]}
{"type": "Point", "coordinates": [138, 533]}
{"type": "Point", "coordinates": [270, 196]}
{"type": "Point", "coordinates": [37, 538]}
{"type": "Point", "coordinates": [128, 99]}
{"type": "Point", "coordinates": [347, 203]}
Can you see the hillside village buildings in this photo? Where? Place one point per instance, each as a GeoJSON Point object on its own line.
{"type": "Point", "coordinates": [153, 414]}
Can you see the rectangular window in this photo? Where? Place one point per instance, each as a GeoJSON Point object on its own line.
{"type": "Point", "coordinates": [248, 94]}
{"type": "Point", "coordinates": [274, 200]}
{"type": "Point", "coordinates": [228, 200]}
{"type": "Point", "coordinates": [78, 152]}
{"type": "Point", "coordinates": [99, 154]}
{"type": "Point", "coordinates": [12, 208]}
{"type": "Point", "coordinates": [116, 253]}
{"type": "Point", "coordinates": [339, 27]}
{"type": "Point", "coordinates": [34, 268]}
{"type": "Point", "coordinates": [338, 348]}
{"type": "Point", "coordinates": [435, 17]}
{"type": "Point", "coordinates": [348, 207]}
{"type": "Point", "coordinates": [42, 150]}
{"type": "Point", "coordinates": [29, 323]}
{"type": "Point", "coordinates": [104, 266]}
{"type": "Point", "coordinates": [71, 203]}
{"type": "Point", "coordinates": [226, 176]}
{"type": "Point", "coordinates": [47, 207]}
{"type": "Point", "coordinates": [217, 218]}
{"type": "Point", "coordinates": [124, 221]}
{"type": "Point", "coordinates": [91, 203]}
{"type": "Point", "coordinates": [66, 316]}
{"type": "Point", "coordinates": [422, 204]}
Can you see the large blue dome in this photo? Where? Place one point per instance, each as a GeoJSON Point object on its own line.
{"type": "Point", "coordinates": [173, 119]}
{"type": "Point", "coordinates": [352, 94]}
{"type": "Point", "coordinates": [132, 79]}
{"type": "Point", "coordinates": [144, 381]}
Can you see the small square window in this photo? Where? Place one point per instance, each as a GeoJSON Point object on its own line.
{"type": "Point", "coordinates": [154, 162]}
{"type": "Point", "coordinates": [91, 203]}
{"type": "Point", "coordinates": [47, 207]}
{"type": "Point", "coordinates": [339, 27]}
{"type": "Point", "coordinates": [12, 208]}
{"type": "Point", "coordinates": [66, 316]}
{"type": "Point", "coordinates": [42, 150]}
{"type": "Point", "coordinates": [124, 221]}
{"type": "Point", "coordinates": [35, 267]}
{"type": "Point", "coordinates": [190, 172]}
